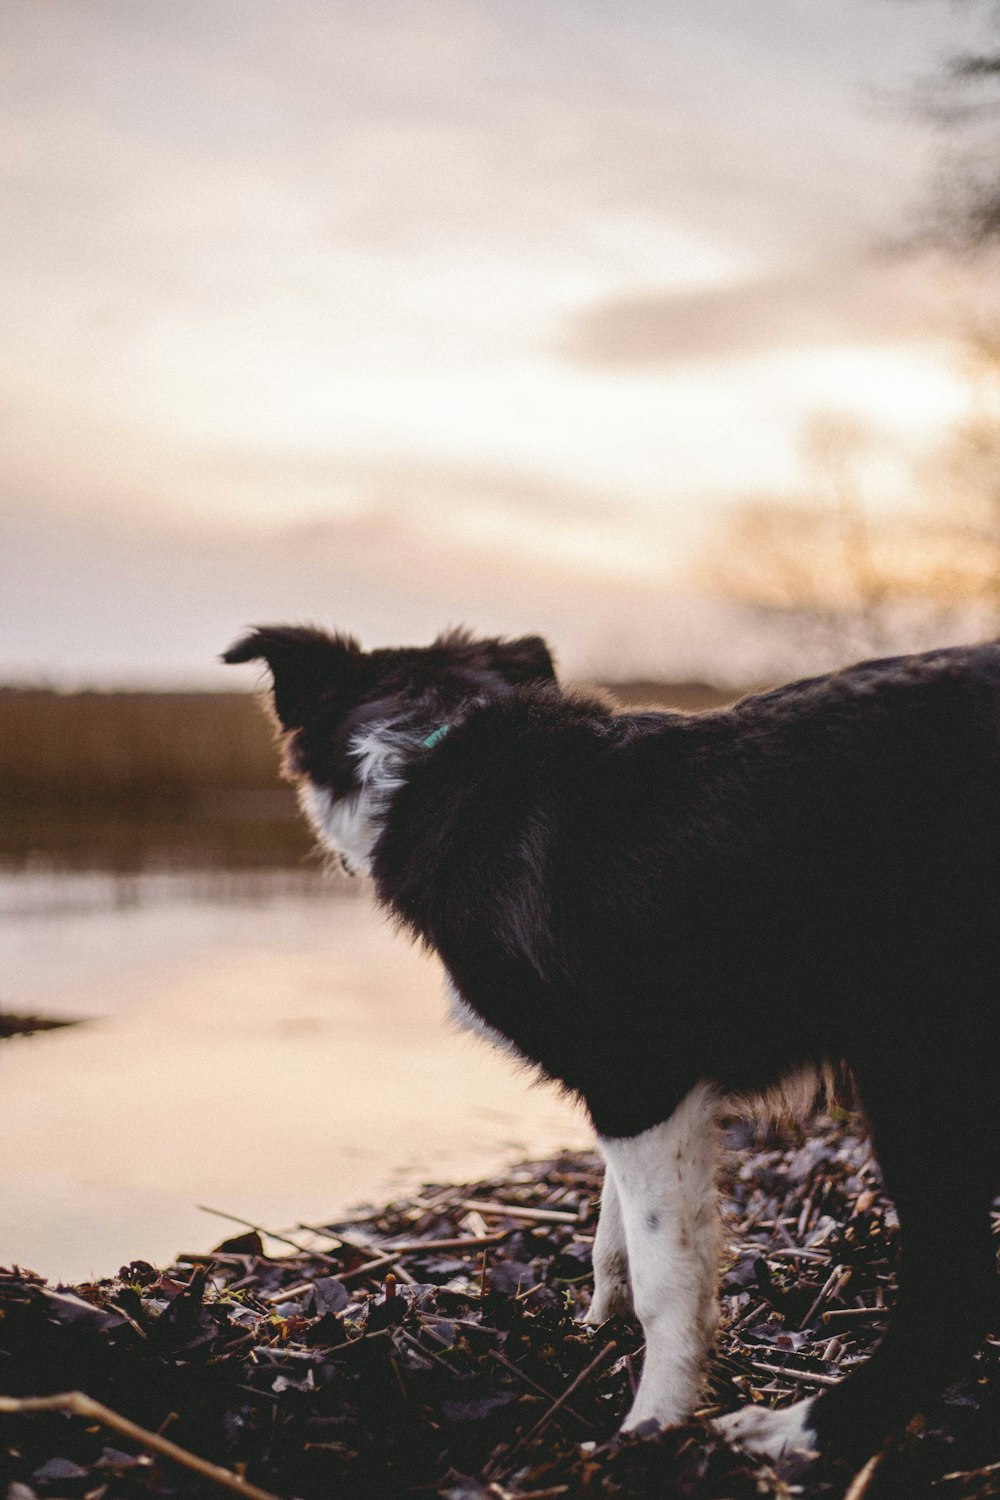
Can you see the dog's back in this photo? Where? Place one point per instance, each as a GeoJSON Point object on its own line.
{"type": "Point", "coordinates": [811, 874]}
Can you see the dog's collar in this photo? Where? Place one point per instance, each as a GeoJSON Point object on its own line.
{"type": "Point", "coordinates": [435, 737]}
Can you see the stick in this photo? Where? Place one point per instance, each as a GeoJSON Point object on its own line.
{"type": "Point", "coordinates": [78, 1404]}
{"type": "Point", "coordinates": [968, 1474]}
{"type": "Point", "coordinates": [515, 1211]}
{"type": "Point", "coordinates": [368, 1269]}
{"type": "Point", "coordinates": [327, 1260]}
{"type": "Point", "coordinates": [806, 1375]}
{"type": "Point", "coordinates": [460, 1242]}
{"type": "Point", "coordinates": [411, 1247]}
{"type": "Point", "coordinates": [539, 1389]}
{"type": "Point", "coordinates": [795, 1253]}
{"type": "Point", "coordinates": [552, 1493]}
{"type": "Point", "coordinates": [825, 1291]}
{"type": "Point", "coordinates": [859, 1485]}
{"type": "Point", "coordinates": [857, 1314]}
{"type": "Point", "coordinates": [334, 1234]}
{"type": "Point", "coordinates": [573, 1386]}
{"type": "Point", "coordinates": [215, 1258]}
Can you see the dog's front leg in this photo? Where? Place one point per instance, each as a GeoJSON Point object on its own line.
{"type": "Point", "coordinates": [612, 1293]}
{"type": "Point", "coordinates": [665, 1184]}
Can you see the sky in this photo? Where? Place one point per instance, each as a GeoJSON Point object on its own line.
{"type": "Point", "coordinates": [402, 313]}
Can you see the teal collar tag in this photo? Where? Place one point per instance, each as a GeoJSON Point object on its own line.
{"type": "Point", "coordinates": [435, 737]}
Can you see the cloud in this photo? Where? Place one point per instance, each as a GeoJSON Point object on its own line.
{"type": "Point", "coordinates": [103, 601]}
{"type": "Point", "coordinates": [873, 301]}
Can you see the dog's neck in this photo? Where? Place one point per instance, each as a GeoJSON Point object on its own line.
{"type": "Point", "coordinates": [351, 826]}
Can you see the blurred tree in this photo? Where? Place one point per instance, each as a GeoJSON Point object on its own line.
{"type": "Point", "coordinates": [840, 577]}
{"type": "Point", "coordinates": [965, 101]}
{"type": "Point", "coordinates": [962, 483]}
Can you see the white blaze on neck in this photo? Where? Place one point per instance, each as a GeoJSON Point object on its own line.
{"type": "Point", "coordinates": [350, 826]}
{"type": "Point", "coordinates": [345, 826]}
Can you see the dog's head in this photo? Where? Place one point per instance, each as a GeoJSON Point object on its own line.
{"type": "Point", "coordinates": [349, 717]}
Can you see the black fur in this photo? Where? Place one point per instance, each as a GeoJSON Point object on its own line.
{"type": "Point", "coordinates": [639, 901]}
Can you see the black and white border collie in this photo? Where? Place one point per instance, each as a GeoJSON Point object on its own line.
{"type": "Point", "coordinates": [664, 911]}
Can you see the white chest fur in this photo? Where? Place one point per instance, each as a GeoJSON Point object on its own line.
{"type": "Point", "coordinates": [350, 826]}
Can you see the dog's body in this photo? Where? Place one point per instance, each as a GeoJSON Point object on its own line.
{"type": "Point", "coordinates": [661, 910]}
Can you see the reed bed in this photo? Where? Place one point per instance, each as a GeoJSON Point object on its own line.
{"type": "Point", "coordinates": [114, 748]}
{"type": "Point", "coordinates": [176, 749]}
{"type": "Point", "coordinates": [138, 780]}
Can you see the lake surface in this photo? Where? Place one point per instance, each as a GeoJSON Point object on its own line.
{"type": "Point", "coordinates": [257, 1041]}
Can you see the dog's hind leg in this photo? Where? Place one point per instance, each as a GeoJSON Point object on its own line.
{"type": "Point", "coordinates": [665, 1184]}
{"type": "Point", "coordinates": [612, 1291]}
{"type": "Point", "coordinates": [936, 1147]}
{"type": "Point", "coordinates": [937, 1153]}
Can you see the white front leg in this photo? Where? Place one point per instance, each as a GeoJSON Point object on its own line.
{"type": "Point", "coordinates": [665, 1183]}
{"type": "Point", "coordinates": [612, 1293]}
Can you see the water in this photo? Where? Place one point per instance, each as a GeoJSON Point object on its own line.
{"type": "Point", "coordinates": [257, 1041]}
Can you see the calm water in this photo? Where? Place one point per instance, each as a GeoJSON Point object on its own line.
{"type": "Point", "coordinates": [258, 1042]}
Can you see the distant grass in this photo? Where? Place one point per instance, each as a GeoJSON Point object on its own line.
{"type": "Point", "coordinates": [158, 749]}
{"type": "Point", "coordinates": [130, 781]}
{"type": "Point", "coordinates": [176, 750]}
{"type": "Point", "coordinates": [126, 781]}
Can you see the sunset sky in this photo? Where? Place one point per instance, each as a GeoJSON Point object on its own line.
{"type": "Point", "coordinates": [397, 314]}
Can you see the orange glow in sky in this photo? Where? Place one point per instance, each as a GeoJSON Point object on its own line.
{"type": "Point", "coordinates": [525, 291]}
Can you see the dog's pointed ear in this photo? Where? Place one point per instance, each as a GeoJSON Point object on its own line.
{"type": "Point", "coordinates": [308, 667]}
{"type": "Point", "coordinates": [526, 660]}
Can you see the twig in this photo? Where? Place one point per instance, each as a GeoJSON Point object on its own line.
{"type": "Point", "coordinates": [573, 1386]}
{"type": "Point", "coordinates": [794, 1252]}
{"type": "Point", "coordinates": [406, 1247]}
{"type": "Point", "coordinates": [78, 1404]}
{"type": "Point", "coordinates": [215, 1257]}
{"type": "Point", "coordinates": [380, 1263]}
{"type": "Point", "coordinates": [857, 1314]}
{"type": "Point", "coordinates": [272, 1234]}
{"type": "Point", "coordinates": [859, 1485]}
{"type": "Point", "coordinates": [335, 1234]}
{"type": "Point", "coordinates": [427, 1353]}
{"type": "Point", "coordinates": [552, 1493]}
{"type": "Point", "coordinates": [804, 1375]}
{"type": "Point", "coordinates": [538, 1389]}
{"type": "Point", "coordinates": [460, 1242]}
{"type": "Point", "coordinates": [967, 1474]}
{"type": "Point", "coordinates": [286, 1294]}
{"type": "Point", "coordinates": [515, 1211]}
{"type": "Point", "coordinates": [833, 1280]}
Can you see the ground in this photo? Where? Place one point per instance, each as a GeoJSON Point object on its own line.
{"type": "Point", "coordinates": [433, 1348]}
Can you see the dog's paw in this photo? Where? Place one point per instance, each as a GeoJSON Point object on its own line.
{"type": "Point", "coordinates": [771, 1434]}
{"type": "Point", "coordinates": [612, 1299]}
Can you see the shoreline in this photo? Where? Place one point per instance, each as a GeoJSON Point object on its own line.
{"type": "Point", "coordinates": [433, 1347]}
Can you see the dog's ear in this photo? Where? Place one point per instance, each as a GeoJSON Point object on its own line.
{"type": "Point", "coordinates": [525, 660]}
{"type": "Point", "coordinates": [308, 667]}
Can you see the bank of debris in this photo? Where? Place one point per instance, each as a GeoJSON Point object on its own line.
{"type": "Point", "coordinates": [434, 1348]}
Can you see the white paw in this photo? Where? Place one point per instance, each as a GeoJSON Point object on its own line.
{"type": "Point", "coordinates": [770, 1433]}
{"type": "Point", "coordinates": [613, 1301]}
{"type": "Point", "coordinates": [641, 1413]}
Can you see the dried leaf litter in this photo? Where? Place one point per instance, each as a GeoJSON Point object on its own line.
{"type": "Point", "coordinates": [433, 1348]}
